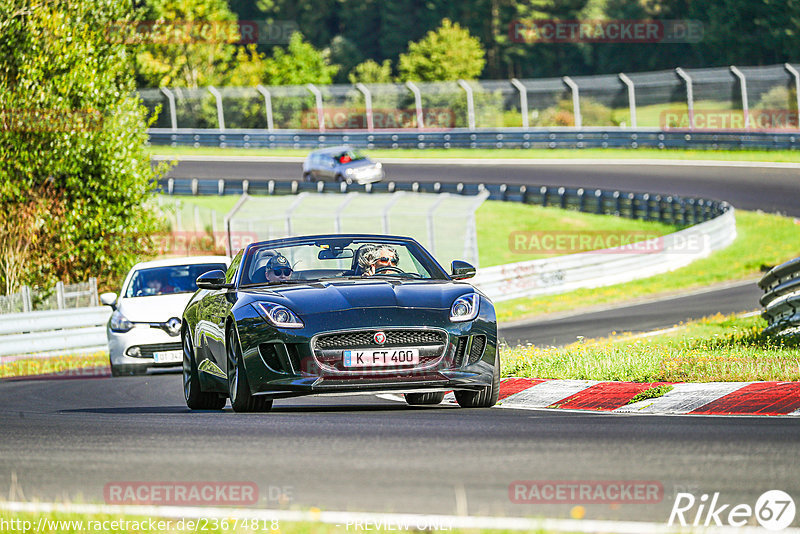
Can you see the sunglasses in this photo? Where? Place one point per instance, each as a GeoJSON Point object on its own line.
{"type": "Point", "coordinates": [393, 261]}
{"type": "Point", "coordinates": [282, 271]}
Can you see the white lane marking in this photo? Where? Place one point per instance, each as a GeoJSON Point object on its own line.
{"type": "Point", "coordinates": [683, 398]}
{"type": "Point", "coordinates": [424, 521]}
{"type": "Point", "coordinates": [547, 393]}
{"type": "Point", "coordinates": [496, 162]}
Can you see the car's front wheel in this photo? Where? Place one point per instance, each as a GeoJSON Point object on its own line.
{"type": "Point", "coordinates": [196, 399]}
{"type": "Point", "coordinates": [242, 400]}
{"type": "Point", "coordinates": [487, 397]}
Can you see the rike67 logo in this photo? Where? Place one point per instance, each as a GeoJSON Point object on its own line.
{"type": "Point", "coordinates": [774, 510]}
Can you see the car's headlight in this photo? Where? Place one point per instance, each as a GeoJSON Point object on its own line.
{"type": "Point", "coordinates": [378, 165]}
{"type": "Point", "coordinates": [465, 308]}
{"type": "Point", "coordinates": [349, 172]}
{"type": "Point", "coordinates": [280, 315]}
{"type": "Point", "coordinates": [119, 323]}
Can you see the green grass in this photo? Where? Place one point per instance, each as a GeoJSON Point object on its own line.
{"type": "Point", "coordinates": [792, 156]}
{"type": "Point", "coordinates": [652, 393]}
{"type": "Point", "coordinates": [762, 240]}
{"type": "Point", "coordinates": [67, 365]}
{"type": "Point", "coordinates": [498, 221]}
{"type": "Point", "coordinates": [718, 348]}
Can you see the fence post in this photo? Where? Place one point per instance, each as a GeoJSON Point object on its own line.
{"type": "Point", "coordinates": [470, 104]}
{"type": "Point", "coordinates": [793, 71]}
{"type": "Point", "coordinates": [689, 94]}
{"type": "Point", "coordinates": [173, 115]}
{"type": "Point", "coordinates": [60, 301]}
{"type": "Point", "coordinates": [631, 97]}
{"type": "Point", "coordinates": [417, 103]}
{"type": "Point", "coordinates": [320, 110]}
{"type": "Point", "coordinates": [743, 84]}
{"type": "Point", "coordinates": [220, 111]}
{"type": "Point", "coordinates": [267, 105]}
{"type": "Point", "coordinates": [27, 305]}
{"type": "Point", "coordinates": [368, 104]}
{"type": "Point", "coordinates": [431, 227]}
{"type": "Point", "coordinates": [576, 100]}
{"type": "Point", "coordinates": [93, 289]}
{"type": "Point", "coordinates": [523, 100]}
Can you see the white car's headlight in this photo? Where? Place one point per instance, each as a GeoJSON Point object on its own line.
{"type": "Point", "coordinates": [378, 165]}
{"type": "Point", "coordinates": [280, 315]}
{"type": "Point", "coordinates": [465, 308]}
{"type": "Point", "coordinates": [119, 323]}
{"type": "Point", "coordinates": [349, 172]}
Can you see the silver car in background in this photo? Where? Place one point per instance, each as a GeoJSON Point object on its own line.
{"type": "Point", "coordinates": [341, 164]}
{"type": "Point", "coordinates": [144, 329]}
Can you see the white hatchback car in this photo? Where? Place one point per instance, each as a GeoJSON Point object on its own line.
{"type": "Point", "coordinates": [144, 329]}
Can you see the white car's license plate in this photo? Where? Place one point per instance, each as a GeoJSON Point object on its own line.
{"type": "Point", "coordinates": [381, 357]}
{"type": "Point", "coordinates": [170, 356]}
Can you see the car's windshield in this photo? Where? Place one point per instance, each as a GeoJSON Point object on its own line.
{"type": "Point", "coordinates": [338, 258]}
{"type": "Point", "coordinates": [167, 280]}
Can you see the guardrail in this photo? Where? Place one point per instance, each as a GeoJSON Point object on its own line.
{"type": "Point", "coordinates": [587, 137]}
{"type": "Point", "coordinates": [54, 330]}
{"type": "Point", "coordinates": [670, 209]}
{"type": "Point", "coordinates": [781, 299]}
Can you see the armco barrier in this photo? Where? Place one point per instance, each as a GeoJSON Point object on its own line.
{"type": "Point", "coordinates": [54, 330]}
{"type": "Point", "coordinates": [606, 267]}
{"type": "Point", "coordinates": [781, 299]}
{"type": "Point", "coordinates": [490, 138]}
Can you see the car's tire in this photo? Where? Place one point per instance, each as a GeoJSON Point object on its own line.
{"type": "Point", "coordinates": [242, 400]}
{"type": "Point", "coordinates": [338, 178]}
{"type": "Point", "coordinates": [307, 177]}
{"type": "Point", "coordinates": [422, 399]}
{"type": "Point", "coordinates": [487, 397]}
{"type": "Point", "coordinates": [196, 399]}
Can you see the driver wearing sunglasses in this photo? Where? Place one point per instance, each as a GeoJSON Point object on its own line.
{"type": "Point", "coordinates": [380, 258]}
{"type": "Point", "coordinates": [278, 269]}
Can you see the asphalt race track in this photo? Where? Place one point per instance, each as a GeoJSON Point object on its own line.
{"type": "Point", "coordinates": [768, 189]}
{"type": "Point", "coordinates": [635, 318]}
{"type": "Point", "coordinates": [68, 439]}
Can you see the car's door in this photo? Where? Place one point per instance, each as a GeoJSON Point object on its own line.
{"type": "Point", "coordinates": [327, 167]}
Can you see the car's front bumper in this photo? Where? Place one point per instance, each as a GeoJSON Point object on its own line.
{"type": "Point", "coordinates": [285, 363]}
{"type": "Point", "coordinates": [149, 340]}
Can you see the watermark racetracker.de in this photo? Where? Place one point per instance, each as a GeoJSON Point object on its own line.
{"type": "Point", "coordinates": [634, 31]}
{"type": "Point", "coordinates": [194, 493]}
{"type": "Point", "coordinates": [586, 492]}
{"type": "Point", "coordinates": [343, 118]}
{"type": "Point", "coordinates": [162, 32]}
{"type": "Point", "coordinates": [562, 242]}
{"type": "Point", "coordinates": [722, 119]}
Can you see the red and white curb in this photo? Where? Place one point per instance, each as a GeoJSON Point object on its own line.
{"type": "Point", "coordinates": [712, 398]}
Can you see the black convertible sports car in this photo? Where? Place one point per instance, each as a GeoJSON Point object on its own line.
{"type": "Point", "coordinates": [338, 314]}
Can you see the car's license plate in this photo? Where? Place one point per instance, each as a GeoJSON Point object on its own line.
{"type": "Point", "coordinates": [170, 356]}
{"type": "Point", "coordinates": [381, 357]}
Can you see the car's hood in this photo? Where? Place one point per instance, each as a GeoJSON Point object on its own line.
{"type": "Point", "coordinates": [327, 297]}
{"type": "Point", "coordinates": [156, 309]}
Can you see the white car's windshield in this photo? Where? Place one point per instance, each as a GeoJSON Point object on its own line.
{"type": "Point", "coordinates": [167, 280]}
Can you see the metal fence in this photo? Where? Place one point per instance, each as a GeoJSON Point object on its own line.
{"type": "Point", "coordinates": [727, 98]}
{"type": "Point", "coordinates": [62, 296]}
{"type": "Point", "coordinates": [781, 299]}
{"type": "Point", "coordinates": [56, 330]}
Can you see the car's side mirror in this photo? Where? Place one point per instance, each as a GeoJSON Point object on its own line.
{"type": "Point", "coordinates": [212, 280]}
{"type": "Point", "coordinates": [461, 270]}
{"type": "Point", "coordinates": [109, 299]}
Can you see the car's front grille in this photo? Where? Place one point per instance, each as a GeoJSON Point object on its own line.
{"type": "Point", "coordinates": [366, 339]}
{"type": "Point", "coordinates": [149, 350]}
{"type": "Point", "coordinates": [329, 348]}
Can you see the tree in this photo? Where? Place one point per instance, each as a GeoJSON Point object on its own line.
{"type": "Point", "coordinates": [449, 53]}
{"type": "Point", "coordinates": [75, 179]}
{"type": "Point", "coordinates": [371, 72]}
{"type": "Point", "coordinates": [190, 43]}
{"type": "Point", "coordinates": [299, 64]}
